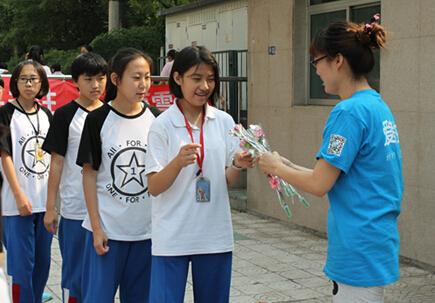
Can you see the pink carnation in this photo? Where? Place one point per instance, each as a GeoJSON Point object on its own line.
{"type": "Point", "coordinates": [274, 183]}
{"type": "Point", "coordinates": [237, 128]}
{"type": "Point", "coordinates": [257, 131]}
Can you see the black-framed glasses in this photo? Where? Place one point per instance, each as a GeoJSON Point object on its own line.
{"type": "Point", "coordinates": [315, 61]}
{"type": "Point", "coordinates": [24, 80]}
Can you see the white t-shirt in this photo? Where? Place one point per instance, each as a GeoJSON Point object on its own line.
{"type": "Point", "coordinates": [115, 145]}
{"type": "Point", "coordinates": [47, 70]}
{"type": "Point", "coordinates": [182, 226]}
{"type": "Point", "coordinates": [31, 168]}
{"type": "Point", "coordinates": [166, 70]}
{"type": "Point", "coordinates": [63, 138]}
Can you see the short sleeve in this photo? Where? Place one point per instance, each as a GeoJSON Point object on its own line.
{"type": "Point", "coordinates": [6, 112]}
{"type": "Point", "coordinates": [342, 139]}
{"type": "Point", "coordinates": [90, 144]}
{"type": "Point", "coordinates": [157, 153]}
{"type": "Point", "coordinates": [232, 143]}
{"type": "Point", "coordinates": [47, 112]}
{"type": "Point", "coordinates": [57, 136]}
{"type": "Point", "coordinates": [155, 111]}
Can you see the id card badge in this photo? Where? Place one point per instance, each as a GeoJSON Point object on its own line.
{"type": "Point", "coordinates": [202, 189]}
{"type": "Point", "coordinates": [39, 153]}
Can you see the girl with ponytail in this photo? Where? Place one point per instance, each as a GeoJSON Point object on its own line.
{"type": "Point", "coordinates": [359, 165]}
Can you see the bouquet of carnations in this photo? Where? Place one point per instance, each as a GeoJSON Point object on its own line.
{"type": "Point", "coordinates": [253, 141]}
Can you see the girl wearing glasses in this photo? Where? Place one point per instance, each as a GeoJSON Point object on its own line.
{"type": "Point", "coordinates": [359, 166]}
{"type": "Point", "coordinates": [25, 172]}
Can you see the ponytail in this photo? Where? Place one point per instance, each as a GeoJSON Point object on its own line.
{"type": "Point", "coordinates": [356, 42]}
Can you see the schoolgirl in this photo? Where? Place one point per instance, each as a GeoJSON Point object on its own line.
{"type": "Point", "coordinates": [191, 160]}
{"type": "Point", "coordinates": [25, 167]}
{"type": "Point", "coordinates": [112, 152]}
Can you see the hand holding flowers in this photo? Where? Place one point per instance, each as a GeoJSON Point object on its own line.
{"type": "Point", "coordinates": [244, 160]}
{"type": "Point", "coordinates": [270, 162]}
{"type": "Point", "coordinates": [253, 141]}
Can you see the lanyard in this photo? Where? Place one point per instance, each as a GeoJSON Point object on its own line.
{"type": "Point", "coordinates": [200, 158]}
{"type": "Point", "coordinates": [36, 129]}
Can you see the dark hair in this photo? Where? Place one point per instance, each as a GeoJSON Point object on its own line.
{"type": "Point", "coordinates": [56, 67]}
{"type": "Point", "coordinates": [2, 83]}
{"type": "Point", "coordinates": [189, 57]}
{"type": "Point", "coordinates": [13, 86]}
{"type": "Point", "coordinates": [90, 64]}
{"type": "Point", "coordinates": [171, 54]}
{"type": "Point", "coordinates": [87, 47]}
{"type": "Point", "coordinates": [355, 42]}
{"type": "Point", "coordinates": [119, 63]}
{"type": "Point", "coordinates": [36, 53]}
{"type": "Point", "coordinates": [3, 65]}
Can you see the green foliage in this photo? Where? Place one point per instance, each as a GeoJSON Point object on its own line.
{"type": "Point", "coordinates": [146, 12]}
{"type": "Point", "coordinates": [6, 17]}
{"type": "Point", "coordinates": [59, 24]}
{"type": "Point", "coordinates": [143, 38]}
{"type": "Point", "coordinates": [66, 24]}
{"type": "Point", "coordinates": [64, 58]}
{"type": "Point", "coordinates": [53, 56]}
{"type": "Point", "coordinates": [13, 61]}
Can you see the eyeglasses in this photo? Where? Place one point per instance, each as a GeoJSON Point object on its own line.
{"type": "Point", "coordinates": [315, 61]}
{"type": "Point", "coordinates": [24, 80]}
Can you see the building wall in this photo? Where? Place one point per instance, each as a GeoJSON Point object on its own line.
{"type": "Point", "coordinates": [218, 27]}
{"type": "Point", "coordinates": [407, 85]}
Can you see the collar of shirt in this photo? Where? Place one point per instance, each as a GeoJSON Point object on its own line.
{"type": "Point", "coordinates": [177, 117]}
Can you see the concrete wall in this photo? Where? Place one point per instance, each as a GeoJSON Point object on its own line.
{"type": "Point", "coordinates": [407, 84]}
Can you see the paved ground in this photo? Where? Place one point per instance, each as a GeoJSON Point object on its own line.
{"type": "Point", "coordinates": [277, 263]}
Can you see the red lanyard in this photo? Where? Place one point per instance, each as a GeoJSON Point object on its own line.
{"type": "Point", "coordinates": [200, 158]}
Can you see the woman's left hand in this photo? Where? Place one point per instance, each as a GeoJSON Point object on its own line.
{"type": "Point", "coordinates": [244, 160]}
{"type": "Point", "coordinates": [269, 162]}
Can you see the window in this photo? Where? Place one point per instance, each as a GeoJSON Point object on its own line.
{"type": "Point", "coordinates": [319, 14]}
{"type": "Point", "coordinates": [318, 22]}
{"type": "Point", "coordinates": [314, 2]}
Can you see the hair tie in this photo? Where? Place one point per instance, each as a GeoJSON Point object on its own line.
{"type": "Point", "coordinates": [368, 27]}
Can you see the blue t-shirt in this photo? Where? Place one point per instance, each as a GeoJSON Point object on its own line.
{"type": "Point", "coordinates": [361, 139]}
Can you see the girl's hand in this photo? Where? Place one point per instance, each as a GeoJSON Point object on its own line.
{"type": "Point", "coordinates": [244, 160]}
{"type": "Point", "coordinates": [100, 242]}
{"type": "Point", "coordinates": [269, 162]}
{"type": "Point", "coordinates": [187, 154]}
{"type": "Point", "coordinates": [50, 220]}
{"type": "Point", "coordinates": [23, 204]}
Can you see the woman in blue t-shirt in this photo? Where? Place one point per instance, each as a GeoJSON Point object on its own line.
{"type": "Point", "coordinates": [359, 166]}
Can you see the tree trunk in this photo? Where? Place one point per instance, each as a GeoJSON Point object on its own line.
{"type": "Point", "coordinates": [114, 20]}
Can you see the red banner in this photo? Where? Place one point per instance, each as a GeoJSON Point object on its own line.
{"type": "Point", "coordinates": [63, 91]}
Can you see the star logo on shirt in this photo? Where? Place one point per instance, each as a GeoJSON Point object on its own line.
{"type": "Point", "coordinates": [34, 158]}
{"type": "Point", "coordinates": [133, 171]}
{"type": "Point", "coordinates": [38, 156]}
{"type": "Point", "coordinates": [127, 168]}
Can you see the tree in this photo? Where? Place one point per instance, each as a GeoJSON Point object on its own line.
{"type": "Point", "coordinates": [146, 12]}
{"type": "Point", "coordinates": [61, 24]}
{"type": "Point", "coordinates": [66, 24]}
